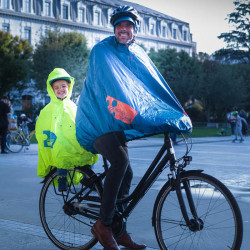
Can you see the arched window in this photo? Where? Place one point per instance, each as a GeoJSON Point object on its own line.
{"type": "Point", "coordinates": [96, 16]}
{"type": "Point", "coordinates": [152, 27]}
{"type": "Point", "coordinates": [82, 16]}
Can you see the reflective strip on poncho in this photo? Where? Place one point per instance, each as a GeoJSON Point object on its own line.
{"type": "Point", "coordinates": [56, 134]}
{"type": "Point", "coordinates": [124, 91]}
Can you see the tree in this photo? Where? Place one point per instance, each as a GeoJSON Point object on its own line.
{"type": "Point", "coordinates": [57, 50]}
{"type": "Point", "coordinates": [181, 72]}
{"type": "Point", "coordinates": [238, 40]}
{"type": "Point", "coordinates": [15, 55]}
{"type": "Point", "coordinates": [221, 89]}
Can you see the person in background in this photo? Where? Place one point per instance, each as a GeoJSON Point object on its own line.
{"type": "Point", "coordinates": [238, 130]}
{"type": "Point", "coordinates": [231, 120]}
{"type": "Point", "coordinates": [4, 111]}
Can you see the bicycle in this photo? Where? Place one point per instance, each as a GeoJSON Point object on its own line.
{"type": "Point", "coordinates": [192, 210]}
{"type": "Point", "coordinates": [16, 140]}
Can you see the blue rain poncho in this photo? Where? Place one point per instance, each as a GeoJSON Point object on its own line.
{"type": "Point", "coordinates": [124, 91]}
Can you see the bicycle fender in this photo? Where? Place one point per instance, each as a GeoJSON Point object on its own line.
{"type": "Point", "coordinates": [51, 172]}
{"type": "Point", "coordinates": [168, 183]}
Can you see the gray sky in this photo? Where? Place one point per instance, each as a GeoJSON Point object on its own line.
{"type": "Point", "coordinates": [205, 17]}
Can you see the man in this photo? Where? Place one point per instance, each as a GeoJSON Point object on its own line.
{"type": "Point", "coordinates": [4, 110]}
{"type": "Point", "coordinates": [124, 97]}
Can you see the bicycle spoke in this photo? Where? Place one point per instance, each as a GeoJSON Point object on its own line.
{"type": "Point", "coordinates": [61, 217]}
{"type": "Point", "coordinates": [217, 217]}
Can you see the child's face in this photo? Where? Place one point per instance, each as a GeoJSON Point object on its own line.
{"type": "Point", "coordinates": [61, 88]}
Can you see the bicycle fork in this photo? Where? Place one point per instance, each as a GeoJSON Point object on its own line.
{"type": "Point", "coordinates": [195, 223]}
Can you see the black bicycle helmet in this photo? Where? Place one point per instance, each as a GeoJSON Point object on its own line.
{"type": "Point", "coordinates": [125, 13]}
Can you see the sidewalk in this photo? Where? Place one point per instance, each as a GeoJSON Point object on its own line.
{"type": "Point", "coordinates": [20, 226]}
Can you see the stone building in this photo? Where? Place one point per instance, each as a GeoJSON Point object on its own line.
{"type": "Point", "coordinates": [33, 19]}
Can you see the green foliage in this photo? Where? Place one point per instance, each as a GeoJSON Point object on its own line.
{"type": "Point", "coordinates": [15, 57]}
{"type": "Point", "coordinates": [217, 88]}
{"type": "Point", "coordinates": [221, 89]}
{"type": "Point", "coordinates": [61, 50]}
{"type": "Point", "coordinates": [181, 71]}
{"type": "Point", "coordinates": [238, 40]}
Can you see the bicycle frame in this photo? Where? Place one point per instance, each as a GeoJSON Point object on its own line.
{"type": "Point", "coordinates": [188, 202]}
{"type": "Point", "coordinates": [165, 156]}
{"type": "Point", "coordinates": [25, 141]}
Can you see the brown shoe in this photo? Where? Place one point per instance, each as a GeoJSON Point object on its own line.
{"type": "Point", "coordinates": [104, 235]}
{"type": "Point", "coordinates": [126, 241]}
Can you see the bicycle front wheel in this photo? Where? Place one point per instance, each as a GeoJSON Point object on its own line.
{"type": "Point", "coordinates": [14, 142]}
{"type": "Point", "coordinates": [219, 217]}
{"type": "Point", "coordinates": [67, 217]}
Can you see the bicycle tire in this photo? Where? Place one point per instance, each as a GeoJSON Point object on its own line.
{"type": "Point", "coordinates": [13, 144]}
{"type": "Point", "coordinates": [65, 231]}
{"type": "Point", "coordinates": [215, 206]}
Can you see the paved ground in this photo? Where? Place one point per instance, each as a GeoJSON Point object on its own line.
{"type": "Point", "coordinates": [20, 226]}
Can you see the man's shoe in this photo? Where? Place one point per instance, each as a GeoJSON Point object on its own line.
{"type": "Point", "coordinates": [4, 152]}
{"type": "Point", "coordinates": [126, 241]}
{"type": "Point", "coordinates": [104, 235]}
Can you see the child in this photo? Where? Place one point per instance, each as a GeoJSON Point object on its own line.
{"type": "Point", "coordinates": [56, 133]}
{"type": "Point", "coordinates": [238, 120]}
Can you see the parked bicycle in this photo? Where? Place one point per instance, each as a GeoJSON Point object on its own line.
{"type": "Point", "coordinates": [193, 210]}
{"type": "Point", "coordinates": [17, 139]}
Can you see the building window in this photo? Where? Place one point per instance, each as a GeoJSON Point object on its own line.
{"type": "Point", "coordinates": [185, 35]}
{"type": "Point", "coordinates": [6, 4]}
{"type": "Point", "coordinates": [152, 28]}
{"type": "Point", "coordinates": [97, 17]}
{"type": "Point", "coordinates": [164, 31]}
{"type": "Point", "coordinates": [141, 26]}
{"type": "Point", "coordinates": [174, 33]}
{"type": "Point", "coordinates": [6, 27]}
{"type": "Point", "coordinates": [27, 6]}
{"type": "Point", "coordinates": [65, 11]}
{"type": "Point", "coordinates": [110, 11]}
{"type": "Point", "coordinates": [27, 34]}
{"type": "Point", "coordinates": [47, 8]}
{"type": "Point", "coordinates": [82, 15]}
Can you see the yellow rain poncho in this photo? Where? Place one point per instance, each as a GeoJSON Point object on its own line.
{"type": "Point", "coordinates": [56, 133]}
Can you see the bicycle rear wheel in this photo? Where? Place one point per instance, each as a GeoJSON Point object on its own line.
{"type": "Point", "coordinates": [68, 225]}
{"type": "Point", "coordinates": [219, 217]}
{"type": "Point", "coordinates": [14, 142]}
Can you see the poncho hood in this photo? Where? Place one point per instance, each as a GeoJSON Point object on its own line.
{"type": "Point", "coordinates": [124, 91]}
{"type": "Point", "coordinates": [59, 73]}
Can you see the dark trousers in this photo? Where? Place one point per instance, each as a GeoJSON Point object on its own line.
{"type": "Point", "coordinates": [3, 134]}
{"type": "Point", "coordinates": [117, 183]}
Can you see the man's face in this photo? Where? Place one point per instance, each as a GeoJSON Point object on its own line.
{"type": "Point", "coordinates": [124, 32]}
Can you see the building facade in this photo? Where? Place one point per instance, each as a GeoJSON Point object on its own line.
{"type": "Point", "coordinates": [33, 19]}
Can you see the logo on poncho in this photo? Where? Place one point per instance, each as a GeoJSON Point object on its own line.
{"type": "Point", "coordinates": [121, 110]}
{"type": "Point", "coordinates": [50, 140]}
